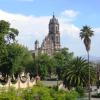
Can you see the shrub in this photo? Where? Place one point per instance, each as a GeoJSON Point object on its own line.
{"type": "Point", "coordinates": [64, 95]}
{"type": "Point", "coordinates": [96, 95]}
{"type": "Point", "coordinates": [80, 91]}
{"type": "Point", "coordinates": [37, 93]}
{"type": "Point", "coordinates": [71, 95]}
{"type": "Point", "coordinates": [10, 94]}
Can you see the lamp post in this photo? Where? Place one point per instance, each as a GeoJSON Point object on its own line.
{"type": "Point", "coordinates": [37, 54]}
{"type": "Point", "coordinates": [89, 78]}
{"type": "Point", "coordinates": [37, 66]}
{"type": "Point", "coordinates": [57, 81]}
{"type": "Point", "coordinates": [58, 72]}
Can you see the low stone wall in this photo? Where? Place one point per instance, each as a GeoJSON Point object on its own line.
{"type": "Point", "coordinates": [19, 84]}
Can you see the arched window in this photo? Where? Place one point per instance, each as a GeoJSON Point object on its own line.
{"type": "Point", "coordinates": [52, 37]}
{"type": "Point", "coordinates": [57, 39]}
{"type": "Point", "coordinates": [56, 28]}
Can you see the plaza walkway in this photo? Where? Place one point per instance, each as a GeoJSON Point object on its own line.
{"type": "Point", "coordinates": [95, 99]}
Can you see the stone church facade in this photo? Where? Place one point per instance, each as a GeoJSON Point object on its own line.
{"type": "Point", "coordinates": [51, 42]}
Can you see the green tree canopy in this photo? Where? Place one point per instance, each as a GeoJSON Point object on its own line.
{"type": "Point", "coordinates": [7, 35]}
{"type": "Point", "coordinates": [44, 64]}
{"type": "Point", "coordinates": [17, 60]}
{"type": "Point", "coordinates": [6, 32]}
{"type": "Point", "coordinates": [13, 57]}
{"type": "Point", "coordinates": [61, 59]}
{"type": "Point", "coordinates": [76, 74]}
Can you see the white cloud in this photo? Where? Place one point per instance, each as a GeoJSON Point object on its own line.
{"type": "Point", "coordinates": [30, 27]}
{"type": "Point", "coordinates": [33, 27]}
{"type": "Point", "coordinates": [66, 22]}
{"type": "Point", "coordinates": [97, 30]}
{"type": "Point", "coordinates": [68, 28]}
{"type": "Point", "coordinates": [70, 13]}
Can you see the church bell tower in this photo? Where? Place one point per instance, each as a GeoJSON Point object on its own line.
{"type": "Point", "coordinates": [54, 32]}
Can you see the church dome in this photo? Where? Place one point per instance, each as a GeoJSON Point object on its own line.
{"type": "Point", "coordinates": [53, 20]}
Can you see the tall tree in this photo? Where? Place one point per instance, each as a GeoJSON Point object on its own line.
{"type": "Point", "coordinates": [17, 60]}
{"type": "Point", "coordinates": [98, 74]}
{"type": "Point", "coordinates": [13, 56]}
{"type": "Point", "coordinates": [7, 35]}
{"type": "Point", "coordinates": [85, 34]}
{"type": "Point", "coordinates": [6, 32]}
{"type": "Point", "coordinates": [61, 60]}
{"type": "Point", "coordinates": [45, 65]}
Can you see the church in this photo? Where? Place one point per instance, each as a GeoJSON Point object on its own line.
{"type": "Point", "coordinates": [51, 42]}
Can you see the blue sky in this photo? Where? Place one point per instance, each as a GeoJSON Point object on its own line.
{"type": "Point", "coordinates": [31, 18]}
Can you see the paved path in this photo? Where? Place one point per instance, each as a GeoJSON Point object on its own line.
{"type": "Point", "coordinates": [49, 83]}
{"type": "Point", "coordinates": [54, 83]}
{"type": "Point", "coordinates": [95, 99]}
{"type": "Point", "coordinates": [91, 99]}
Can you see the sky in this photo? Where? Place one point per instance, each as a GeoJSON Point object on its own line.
{"type": "Point", "coordinates": [31, 18]}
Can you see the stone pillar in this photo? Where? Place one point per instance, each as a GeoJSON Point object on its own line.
{"type": "Point", "coordinates": [9, 81]}
{"type": "Point", "coordinates": [28, 80]}
{"type": "Point", "coordinates": [18, 82]}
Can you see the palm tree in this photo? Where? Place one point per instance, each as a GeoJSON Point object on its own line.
{"type": "Point", "coordinates": [76, 72]}
{"type": "Point", "coordinates": [85, 34]}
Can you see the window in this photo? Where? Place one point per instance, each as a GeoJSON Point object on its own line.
{"type": "Point", "coordinates": [56, 28]}
{"type": "Point", "coordinates": [57, 39]}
